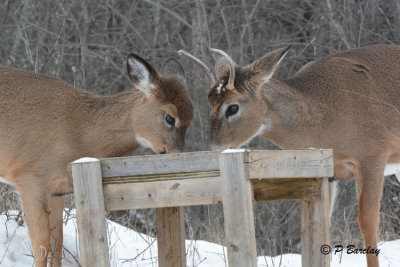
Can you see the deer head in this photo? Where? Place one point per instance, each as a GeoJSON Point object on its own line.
{"type": "Point", "coordinates": [239, 109]}
{"type": "Point", "coordinates": [166, 111]}
{"type": "Point", "coordinates": [37, 151]}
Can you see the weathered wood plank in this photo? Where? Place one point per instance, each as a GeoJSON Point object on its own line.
{"type": "Point", "coordinates": [169, 193]}
{"type": "Point", "coordinates": [159, 177]}
{"type": "Point", "coordinates": [171, 237]}
{"type": "Point", "coordinates": [237, 200]}
{"type": "Point", "coordinates": [159, 164]}
{"type": "Point", "coordinates": [286, 189]}
{"type": "Point", "coordinates": [91, 221]}
{"type": "Point", "coordinates": [315, 228]}
{"type": "Point", "coordinates": [265, 164]}
{"type": "Point", "coordinates": [205, 191]}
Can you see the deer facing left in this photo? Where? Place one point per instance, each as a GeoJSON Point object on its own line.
{"type": "Point", "coordinates": [45, 124]}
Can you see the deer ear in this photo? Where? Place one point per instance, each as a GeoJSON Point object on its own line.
{"type": "Point", "coordinates": [172, 68]}
{"type": "Point", "coordinates": [142, 74]}
{"type": "Point", "coordinates": [265, 67]}
{"type": "Point", "coordinates": [221, 67]}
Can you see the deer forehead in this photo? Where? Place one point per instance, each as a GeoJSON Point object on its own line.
{"type": "Point", "coordinates": [174, 96]}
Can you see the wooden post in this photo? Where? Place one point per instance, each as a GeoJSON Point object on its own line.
{"type": "Point", "coordinates": [89, 204]}
{"type": "Point", "coordinates": [315, 228]}
{"type": "Point", "coordinates": [171, 237]}
{"type": "Point", "coordinates": [237, 200]}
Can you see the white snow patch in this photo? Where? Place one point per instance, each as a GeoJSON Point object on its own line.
{"type": "Point", "coordinates": [85, 160]}
{"type": "Point", "coordinates": [233, 150]}
{"type": "Point", "coordinates": [129, 248]}
{"type": "Point", "coordinates": [392, 169]}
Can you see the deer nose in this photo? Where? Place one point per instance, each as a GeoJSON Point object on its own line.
{"type": "Point", "coordinates": [164, 150]}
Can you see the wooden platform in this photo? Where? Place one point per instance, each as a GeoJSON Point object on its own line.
{"type": "Point", "coordinates": [234, 178]}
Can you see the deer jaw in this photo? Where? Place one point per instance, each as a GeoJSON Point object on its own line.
{"type": "Point", "coordinates": [348, 102]}
{"type": "Point", "coordinates": [165, 113]}
{"type": "Point", "coordinates": [250, 118]}
{"type": "Point", "coordinates": [152, 130]}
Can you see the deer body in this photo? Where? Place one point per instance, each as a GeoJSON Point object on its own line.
{"type": "Point", "coordinates": [348, 102]}
{"type": "Point", "coordinates": [45, 124]}
{"type": "Point", "coordinates": [342, 103]}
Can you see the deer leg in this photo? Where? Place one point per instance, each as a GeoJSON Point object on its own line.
{"type": "Point", "coordinates": [56, 230]}
{"type": "Point", "coordinates": [36, 216]}
{"type": "Point", "coordinates": [370, 193]}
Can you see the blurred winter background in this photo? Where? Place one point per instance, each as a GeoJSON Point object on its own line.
{"type": "Point", "coordinates": [85, 43]}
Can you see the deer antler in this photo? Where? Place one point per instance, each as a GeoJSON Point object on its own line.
{"type": "Point", "coordinates": [200, 63]}
{"type": "Point", "coordinates": [231, 81]}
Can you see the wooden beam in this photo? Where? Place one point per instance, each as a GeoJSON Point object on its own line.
{"type": "Point", "coordinates": [159, 164]}
{"type": "Point", "coordinates": [237, 200]}
{"type": "Point", "coordinates": [204, 191]}
{"type": "Point", "coordinates": [91, 221]}
{"type": "Point", "coordinates": [170, 237]}
{"type": "Point", "coordinates": [315, 228]}
{"type": "Point", "coordinates": [265, 164]}
{"type": "Point", "coordinates": [159, 177]}
{"type": "Point", "coordinates": [169, 193]}
{"type": "Point", "coordinates": [286, 189]}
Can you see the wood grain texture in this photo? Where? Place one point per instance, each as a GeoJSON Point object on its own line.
{"type": "Point", "coordinates": [265, 164]}
{"type": "Point", "coordinates": [315, 228]}
{"type": "Point", "coordinates": [169, 193]}
{"type": "Point", "coordinates": [91, 221]}
{"type": "Point", "coordinates": [286, 189]}
{"type": "Point", "coordinates": [159, 177]}
{"type": "Point", "coordinates": [237, 200]}
{"type": "Point", "coordinates": [159, 164]}
{"type": "Point", "coordinates": [171, 237]}
{"type": "Point", "coordinates": [206, 191]}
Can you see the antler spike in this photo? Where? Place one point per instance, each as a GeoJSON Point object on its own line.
{"type": "Point", "coordinates": [231, 81]}
{"type": "Point", "coordinates": [200, 63]}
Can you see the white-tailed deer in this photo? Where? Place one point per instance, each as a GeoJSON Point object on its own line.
{"type": "Point", "coordinates": [45, 124]}
{"type": "Point", "coordinates": [348, 101]}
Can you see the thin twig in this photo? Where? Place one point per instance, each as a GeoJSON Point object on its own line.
{"type": "Point", "coordinates": [72, 255]}
{"type": "Point", "coordinates": [175, 15]}
{"type": "Point", "coordinates": [141, 253]}
{"type": "Point", "coordinates": [6, 55]}
{"type": "Point", "coordinates": [54, 48]}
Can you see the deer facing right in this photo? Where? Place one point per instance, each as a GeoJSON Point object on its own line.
{"type": "Point", "coordinates": [349, 102]}
{"type": "Point", "coordinates": [45, 124]}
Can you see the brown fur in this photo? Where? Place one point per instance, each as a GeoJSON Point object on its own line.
{"type": "Point", "coordinates": [348, 101]}
{"type": "Point", "coordinates": [45, 124]}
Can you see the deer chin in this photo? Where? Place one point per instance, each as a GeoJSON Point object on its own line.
{"type": "Point", "coordinates": [145, 143]}
{"type": "Point", "coordinates": [265, 127]}
{"type": "Point", "coordinates": [216, 147]}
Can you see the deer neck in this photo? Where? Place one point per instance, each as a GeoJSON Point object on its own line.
{"type": "Point", "coordinates": [108, 130]}
{"type": "Point", "coordinates": [292, 114]}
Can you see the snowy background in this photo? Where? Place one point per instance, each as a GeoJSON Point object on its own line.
{"type": "Point", "coordinates": [129, 248]}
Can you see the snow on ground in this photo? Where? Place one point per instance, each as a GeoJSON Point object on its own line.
{"type": "Point", "coordinates": [129, 248]}
{"type": "Point", "coordinates": [391, 169]}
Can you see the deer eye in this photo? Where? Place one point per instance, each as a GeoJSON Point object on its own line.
{"type": "Point", "coordinates": [170, 120]}
{"type": "Point", "coordinates": [231, 110]}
